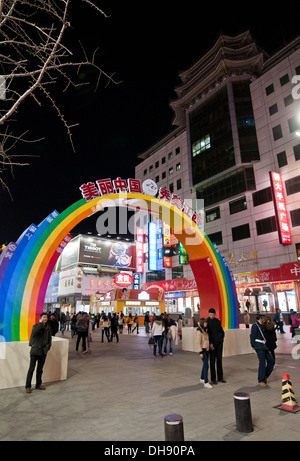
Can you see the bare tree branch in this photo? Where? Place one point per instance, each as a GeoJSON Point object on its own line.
{"type": "Point", "coordinates": [33, 57]}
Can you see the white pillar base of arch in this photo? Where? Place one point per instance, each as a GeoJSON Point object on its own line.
{"type": "Point", "coordinates": [15, 357]}
{"type": "Point", "coordinates": [236, 341]}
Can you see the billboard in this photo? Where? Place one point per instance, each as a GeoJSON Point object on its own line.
{"type": "Point", "coordinates": [93, 250]}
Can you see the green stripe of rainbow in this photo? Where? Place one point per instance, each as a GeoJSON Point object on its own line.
{"type": "Point", "coordinates": [33, 277]}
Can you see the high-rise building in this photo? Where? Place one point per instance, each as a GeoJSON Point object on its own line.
{"type": "Point", "coordinates": [236, 146]}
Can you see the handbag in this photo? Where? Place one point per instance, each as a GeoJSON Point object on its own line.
{"type": "Point", "coordinates": [152, 341]}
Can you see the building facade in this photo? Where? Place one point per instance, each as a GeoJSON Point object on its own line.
{"type": "Point", "coordinates": [236, 147]}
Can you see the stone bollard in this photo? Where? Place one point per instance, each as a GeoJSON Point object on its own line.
{"type": "Point", "coordinates": [243, 412]}
{"type": "Point", "coordinates": [173, 428]}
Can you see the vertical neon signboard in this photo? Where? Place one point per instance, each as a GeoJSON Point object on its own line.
{"type": "Point", "coordinates": [139, 249]}
{"type": "Point", "coordinates": [281, 213]}
{"type": "Point", "coordinates": [167, 245]}
{"type": "Point", "coordinates": [152, 243]}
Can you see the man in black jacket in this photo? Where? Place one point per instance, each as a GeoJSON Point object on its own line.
{"type": "Point", "coordinates": [40, 342]}
{"type": "Point", "coordinates": [258, 342]}
{"type": "Point", "coordinates": [216, 338]}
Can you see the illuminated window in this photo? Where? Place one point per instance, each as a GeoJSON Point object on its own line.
{"type": "Point", "coordinates": [201, 145]}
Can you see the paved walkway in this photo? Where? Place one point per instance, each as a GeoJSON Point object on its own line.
{"type": "Point", "coordinates": [119, 392]}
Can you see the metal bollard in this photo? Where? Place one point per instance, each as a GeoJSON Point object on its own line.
{"type": "Point", "coordinates": [243, 412]}
{"type": "Point", "coordinates": [174, 428]}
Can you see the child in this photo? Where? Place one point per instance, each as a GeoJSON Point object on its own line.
{"type": "Point", "coordinates": [203, 341]}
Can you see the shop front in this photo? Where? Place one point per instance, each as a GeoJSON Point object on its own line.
{"type": "Point", "coordinates": [134, 302]}
{"type": "Point", "coordinates": [267, 290]}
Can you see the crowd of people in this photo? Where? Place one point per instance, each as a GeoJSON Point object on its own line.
{"type": "Point", "coordinates": [165, 332]}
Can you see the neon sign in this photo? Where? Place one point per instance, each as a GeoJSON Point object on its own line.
{"type": "Point", "coordinates": [139, 250]}
{"type": "Point", "coordinates": [281, 213]}
{"type": "Point", "coordinates": [123, 280]}
{"type": "Point", "coordinates": [152, 242]}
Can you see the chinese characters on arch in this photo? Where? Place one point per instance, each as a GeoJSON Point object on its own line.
{"type": "Point", "coordinates": [102, 187]}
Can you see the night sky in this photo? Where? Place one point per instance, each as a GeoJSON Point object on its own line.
{"type": "Point", "coordinates": [146, 45]}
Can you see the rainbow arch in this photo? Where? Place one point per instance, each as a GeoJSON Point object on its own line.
{"type": "Point", "coordinates": [24, 283]}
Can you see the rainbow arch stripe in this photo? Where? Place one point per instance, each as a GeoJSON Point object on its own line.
{"type": "Point", "coordinates": [25, 280]}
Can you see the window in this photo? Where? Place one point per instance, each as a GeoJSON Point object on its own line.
{"type": "Point", "coordinates": [284, 80]}
{"type": "Point", "coordinates": [178, 184]}
{"type": "Point", "coordinates": [240, 232]}
{"type": "Point", "coordinates": [163, 160]}
{"type": "Point", "coordinates": [238, 205]}
{"type": "Point", "coordinates": [292, 185]}
{"type": "Point", "coordinates": [281, 159]}
{"type": "Point", "coordinates": [293, 124]}
{"type": "Point", "coordinates": [157, 164]}
{"type": "Point", "coordinates": [171, 188]}
{"type": "Point", "coordinates": [213, 214]}
{"type": "Point", "coordinates": [295, 217]}
{"type": "Point", "coordinates": [270, 89]}
{"type": "Point", "coordinates": [145, 172]}
{"type": "Point", "coordinates": [273, 109]}
{"type": "Point", "coordinates": [230, 185]}
{"type": "Point", "coordinates": [178, 166]}
{"type": "Point", "coordinates": [216, 238]}
{"type": "Point", "coordinates": [150, 168]}
{"type": "Point", "coordinates": [171, 170]}
{"type": "Point", "coordinates": [288, 100]}
{"type": "Point", "coordinates": [163, 175]}
{"type": "Point", "coordinates": [170, 155]}
{"type": "Point", "coordinates": [265, 226]}
{"type": "Point", "coordinates": [177, 151]}
{"type": "Point", "coordinates": [277, 133]}
{"type": "Point", "coordinates": [177, 272]}
{"type": "Point", "coordinates": [297, 151]}
{"type": "Point", "coordinates": [262, 196]}
{"type": "Point", "coordinates": [201, 145]}
{"type": "Point", "coordinates": [157, 179]}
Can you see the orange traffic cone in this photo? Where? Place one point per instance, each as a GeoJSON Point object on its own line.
{"type": "Point", "coordinates": [288, 397]}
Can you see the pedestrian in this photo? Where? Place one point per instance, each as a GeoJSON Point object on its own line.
{"type": "Point", "coordinates": [168, 337]}
{"type": "Point", "coordinates": [114, 324]}
{"type": "Point", "coordinates": [179, 326]}
{"type": "Point", "coordinates": [270, 335]}
{"type": "Point", "coordinates": [291, 313]}
{"type": "Point", "coordinates": [73, 326]}
{"type": "Point", "coordinates": [136, 323]}
{"type": "Point", "coordinates": [216, 339]}
{"type": "Point", "coordinates": [247, 319]}
{"type": "Point", "coordinates": [40, 343]}
{"type": "Point", "coordinates": [121, 323]}
{"type": "Point", "coordinates": [89, 333]}
{"type": "Point", "coordinates": [258, 342]}
{"type": "Point", "coordinates": [53, 323]}
{"type": "Point", "coordinates": [104, 327]}
{"type": "Point", "coordinates": [129, 323]}
{"type": "Point", "coordinates": [82, 332]}
{"type": "Point", "coordinates": [147, 322]}
{"type": "Point", "coordinates": [278, 319]}
{"type": "Point", "coordinates": [203, 342]}
{"type": "Point", "coordinates": [295, 321]}
{"type": "Point", "coordinates": [63, 320]}
{"type": "Point", "coordinates": [68, 319]}
{"type": "Point", "coordinates": [157, 332]}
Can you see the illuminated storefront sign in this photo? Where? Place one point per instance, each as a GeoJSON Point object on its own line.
{"type": "Point", "coordinates": [123, 280]}
{"type": "Point", "coordinates": [139, 249]}
{"type": "Point", "coordinates": [281, 213]}
{"type": "Point", "coordinates": [183, 257]}
{"type": "Point", "coordinates": [167, 250]}
{"type": "Point", "coordinates": [152, 243]}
